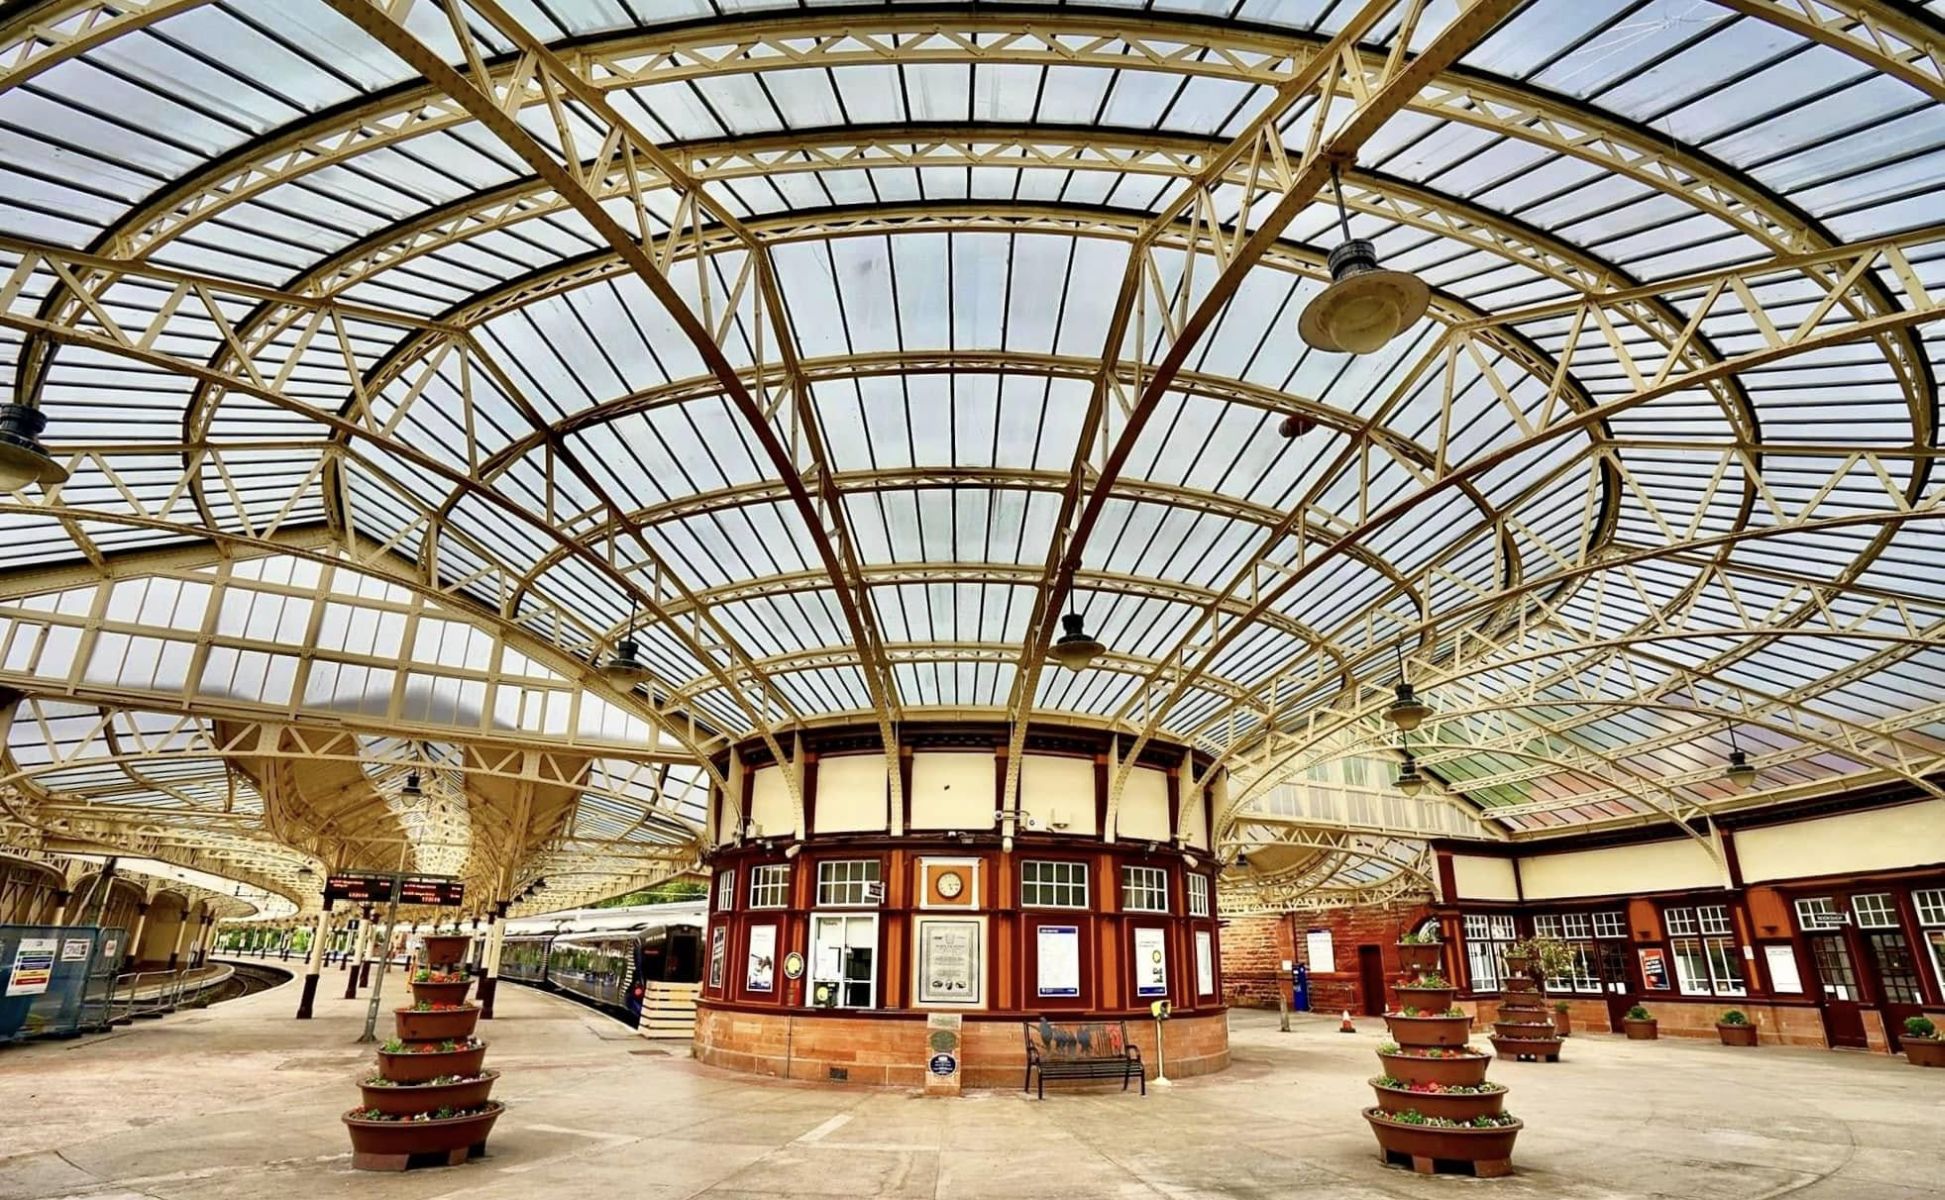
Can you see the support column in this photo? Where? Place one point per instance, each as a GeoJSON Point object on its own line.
{"type": "Point", "coordinates": [354, 959]}
{"type": "Point", "coordinates": [135, 939]}
{"type": "Point", "coordinates": [489, 983]}
{"type": "Point", "coordinates": [323, 934]}
{"type": "Point", "coordinates": [61, 899]}
{"type": "Point", "coordinates": [182, 938]}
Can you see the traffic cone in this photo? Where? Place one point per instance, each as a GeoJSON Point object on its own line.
{"type": "Point", "coordinates": [1345, 1026]}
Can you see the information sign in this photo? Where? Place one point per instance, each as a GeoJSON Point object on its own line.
{"type": "Point", "coordinates": [1060, 960]}
{"type": "Point", "coordinates": [359, 889]}
{"type": "Point", "coordinates": [1151, 963]}
{"type": "Point", "coordinates": [33, 967]}
{"type": "Point", "coordinates": [445, 893]}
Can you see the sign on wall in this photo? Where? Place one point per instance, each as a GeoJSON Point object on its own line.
{"type": "Point", "coordinates": [1318, 951]}
{"type": "Point", "coordinates": [1783, 976]}
{"type": "Point", "coordinates": [76, 949]}
{"type": "Point", "coordinates": [1151, 962]}
{"type": "Point", "coordinates": [1205, 963]}
{"type": "Point", "coordinates": [761, 974]}
{"type": "Point", "coordinates": [1654, 969]}
{"type": "Point", "coordinates": [949, 960]}
{"type": "Point", "coordinates": [1059, 960]}
{"type": "Point", "coordinates": [717, 948]}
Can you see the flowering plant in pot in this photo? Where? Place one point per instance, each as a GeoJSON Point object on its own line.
{"type": "Point", "coordinates": [1641, 1025]}
{"type": "Point", "coordinates": [1540, 957]}
{"type": "Point", "coordinates": [1735, 1029]}
{"type": "Point", "coordinates": [1420, 951]}
{"type": "Point", "coordinates": [1422, 1141]}
{"type": "Point", "coordinates": [388, 1141]}
{"type": "Point", "coordinates": [1563, 1020]}
{"type": "Point", "coordinates": [1923, 1042]}
{"type": "Point", "coordinates": [1435, 1064]}
{"type": "Point", "coordinates": [1428, 990]}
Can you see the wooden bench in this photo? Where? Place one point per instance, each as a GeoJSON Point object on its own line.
{"type": "Point", "coordinates": [1081, 1050]}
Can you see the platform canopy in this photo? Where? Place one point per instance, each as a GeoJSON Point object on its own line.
{"type": "Point", "coordinates": [405, 358]}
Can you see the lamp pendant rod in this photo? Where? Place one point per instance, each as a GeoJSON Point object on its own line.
{"type": "Point", "coordinates": [1337, 190]}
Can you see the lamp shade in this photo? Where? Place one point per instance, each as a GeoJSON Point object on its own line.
{"type": "Point", "coordinates": [1410, 782]}
{"type": "Point", "coordinates": [23, 460]}
{"type": "Point", "coordinates": [1075, 650]}
{"type": "Point", "coordinates": [1741, 775]}
{"type": "Point", "coordinates": [625, 665]}
{"type": "Point", "coordinates": [1407, 711]}
{"type": "Point", "coordinates": [1365, 305]}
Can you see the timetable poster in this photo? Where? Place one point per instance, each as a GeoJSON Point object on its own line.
{"type": "Point", "coordinates": [1060, 960]}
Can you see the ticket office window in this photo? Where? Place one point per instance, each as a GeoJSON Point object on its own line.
{"type": "Point", "coordinates": [844, 958]}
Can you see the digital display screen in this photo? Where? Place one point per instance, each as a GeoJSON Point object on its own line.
{"type": "Point", "coordinates": [359, 889]}
{"type": "Point", "coordinates": [447, 893]}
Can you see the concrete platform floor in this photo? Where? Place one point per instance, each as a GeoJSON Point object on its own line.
{"type": "Point", "coordinates": [240, 1102]}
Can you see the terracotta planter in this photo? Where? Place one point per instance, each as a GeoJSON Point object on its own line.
{"type": "Point", "coordinates": [1470, 1068]}
{"type": "Point", "coordinates": [441, 993]}
{"type": "Point", "coordinates": [1519, 985]}
{"type": "Point", "coordinates": [1535, 1030]}
{"type": "Point", "coordinates": [1531, 1049]}
{"type": "Point", "coordinates": [436, 1025]}
{"type": "Point", "coordinates": [445, 949]}
{"type": "Point", "coordinates": [1736, 1035]}
{"type": "Point", "coordinates": [391, 1145]}
{"type": "Point", "coordinates": [1488, 1151]}
{"type": "Point", "coordinates": [1424, 999]}
{"type": "Point", "coordinates": [1641, 1031]}
{"type": "Point", "coordinates": [1563, 1024]}
{"type": "Point", "coordinates": [417, 1068]}
{"type": "Point", "coordinates": [1429, 1031]}
{"type": "Point", "coordinates": [1461, 1107]}
{"type": "Point", "coordinates": [1517, 964]}
{"type": "Point", "coordinates": [1924, 1052]}
{"type": "Point", "coordinates": [1420, 956]}
{"type": "Point", "coordinates": [429, 1097]}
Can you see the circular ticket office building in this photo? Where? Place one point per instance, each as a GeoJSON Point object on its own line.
{"type": "Point", "coordinates": [842, 917]}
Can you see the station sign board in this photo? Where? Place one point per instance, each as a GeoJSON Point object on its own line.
{"type": "Point", "coordinates": [377, 889]}
{"type": "Point", "coordinates": [447, 893]}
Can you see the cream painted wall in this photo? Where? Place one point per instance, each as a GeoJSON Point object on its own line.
{"type": "Point", "coordinates": [852, 794]}
{"type": "Point", "coordinates": [1879, 839]}
{"type": "Point", "coordinates": [953, 791]}
{"type": "Point", "coordinates": [1476, 878]}
{"type": "Point", "coordinates": [1058, 789]}
{"type": "Point", "coordinates": [770, 806]}
{"type": "Point", "coordinates": [1144, 807]}
{"type": "Point", "coordinates": [1621, 870]}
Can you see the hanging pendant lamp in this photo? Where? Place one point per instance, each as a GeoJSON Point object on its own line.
{"type": "Point", "coordinates": [1365, 305]}
{"type": "Point", "coordinates": [412, 790]}
{"type": "Point", "coordinates": [1406, 710]}
{"type": "Point", "coordinates": [1076, 650]}
{"type": "Point", "coordinates": [23, 460]}
{"type": "Point", "coordinates": [1410, 782]}
{"type": "Point", "coordinates": [1741, 775]}
{"type": "Point", "coordinates": [625, 665]}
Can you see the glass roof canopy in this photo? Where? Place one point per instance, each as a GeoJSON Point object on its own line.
{"type": "Point", "coordinates": [832, 352]}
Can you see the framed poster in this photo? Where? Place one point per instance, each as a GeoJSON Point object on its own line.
{"type": "Point", "coordinates": [949, 960]}
{"type": "Point", "coordinates": [718, 938]}
{"type": "Point", "coordinates": [1654, 970]}
{"type": "Point", "coordinates": [1059, 960]}
{"type": "Point", "coordinates": [1318, 950]}
{"type": "Point", "coordinates": [33, 967]}
{"type": "Point", "coordinates": [1205, 963]}
{"type": "Point", "coordinates": [760, 974]}
{"type": "Point", "coordinates": [1151, 962]}
{"type": "Point", "coordinates": [1783, 976]}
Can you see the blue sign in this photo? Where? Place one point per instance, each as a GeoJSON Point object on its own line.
{"type": "Point", "coordinates": [944, 1065]}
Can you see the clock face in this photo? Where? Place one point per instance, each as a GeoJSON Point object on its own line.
{"type": "Point", "coordinates": [950, 885]}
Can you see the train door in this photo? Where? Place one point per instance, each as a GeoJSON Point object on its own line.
{"type": "Point", "coordinates": [685, 956]}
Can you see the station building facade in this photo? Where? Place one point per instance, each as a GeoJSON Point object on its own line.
{"type": "Point", "coordinates": [840, 921]}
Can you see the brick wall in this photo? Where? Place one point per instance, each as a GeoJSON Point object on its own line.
{"type": "Point", "coordinates": [1254, 948]}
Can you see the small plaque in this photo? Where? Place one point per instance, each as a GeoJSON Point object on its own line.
{"type": "Point", "coordinates": [944, 1065]}
{"type": "Point", "coordinates": [793, 965]}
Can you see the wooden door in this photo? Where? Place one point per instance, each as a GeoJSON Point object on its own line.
{"type": "Point", "coordinates": [1838, 992]}
{"type": "Point", "coordinates": [1370, 977]}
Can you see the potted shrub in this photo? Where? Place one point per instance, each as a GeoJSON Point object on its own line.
{"type": "Point", "coordinates": [1924, 1045]}
{"type": "Point", "coordinates": [1735, 1030]}
{"type": "Point", "coordinates": [1563, 1020]}
{"type": "Point", "coordinates": [1428, 991]}
{"type": "Point", "coordinates": [1641, 1025]}
{"type": "Point", "coordinates": [1420, 951]}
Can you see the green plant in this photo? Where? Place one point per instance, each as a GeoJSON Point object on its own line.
{"type": "Point", "coordinates": [1638, 1013]}
{"type": "Point", "coordinates": [393, 1046]}
{"type": "Point", "coordinates": [1920, 1027]}
{"type": "Point", "coordinates": [1734, 1016]}
{"type": "Point", "coordinates": [1429, 979]}
{"type": "Point", "coordinates": [1553, 957]}
{"type": "Point", "coordinates": [1560, 1006]}
{"type": "Point", "coordinates": [1424, 937]}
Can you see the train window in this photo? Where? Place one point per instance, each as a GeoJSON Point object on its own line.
{"type": "Point", "coordinates": [770, 886]}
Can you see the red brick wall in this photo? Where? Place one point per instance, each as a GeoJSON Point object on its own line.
{"type": "Point", "coordinates": [1254, 948]}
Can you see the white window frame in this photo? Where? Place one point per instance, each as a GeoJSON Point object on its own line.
{"type": "Point", "coordinates": [877, 955]}
{"type": "Point", "coordinates": [1882, 913]}
{"type": "Point", "coordinates": [829, 897]}
{"type": "Point", "coordinates": [1815, 914]}
{"type": "Point", "coordinates": [1198, 887]}
{"type": "Point", "coordinates": [770, 885]}
{"type": "Point", "coordinates": [1930, 903]}
{"type": "Point", "coordinates": [1486, 937]}
{"type": "Point", "coordinates": [1153, 882]}
{"type": "Point", "coordinates": [1701, 941]}
{"type": "Point", "coordinates": [1610, 925]}
{"type": "Point", "coordinates": [1058, 886]}
{"type": "Point", "coordinates": [726, 890]}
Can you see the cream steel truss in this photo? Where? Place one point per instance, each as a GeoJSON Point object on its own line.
{"type": "Point", "coordinates": [1614, 531]}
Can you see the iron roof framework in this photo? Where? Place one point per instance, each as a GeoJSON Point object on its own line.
{"type": "Point", "coordinates": [833, 352]}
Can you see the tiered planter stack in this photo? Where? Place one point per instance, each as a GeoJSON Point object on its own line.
{"type": "Point", "coordinates": [428, 1105]}
{"type": "Point", "coordinates": [1524, 1028]}
{"type": "Point", "coordinates": [1435, 1110]}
